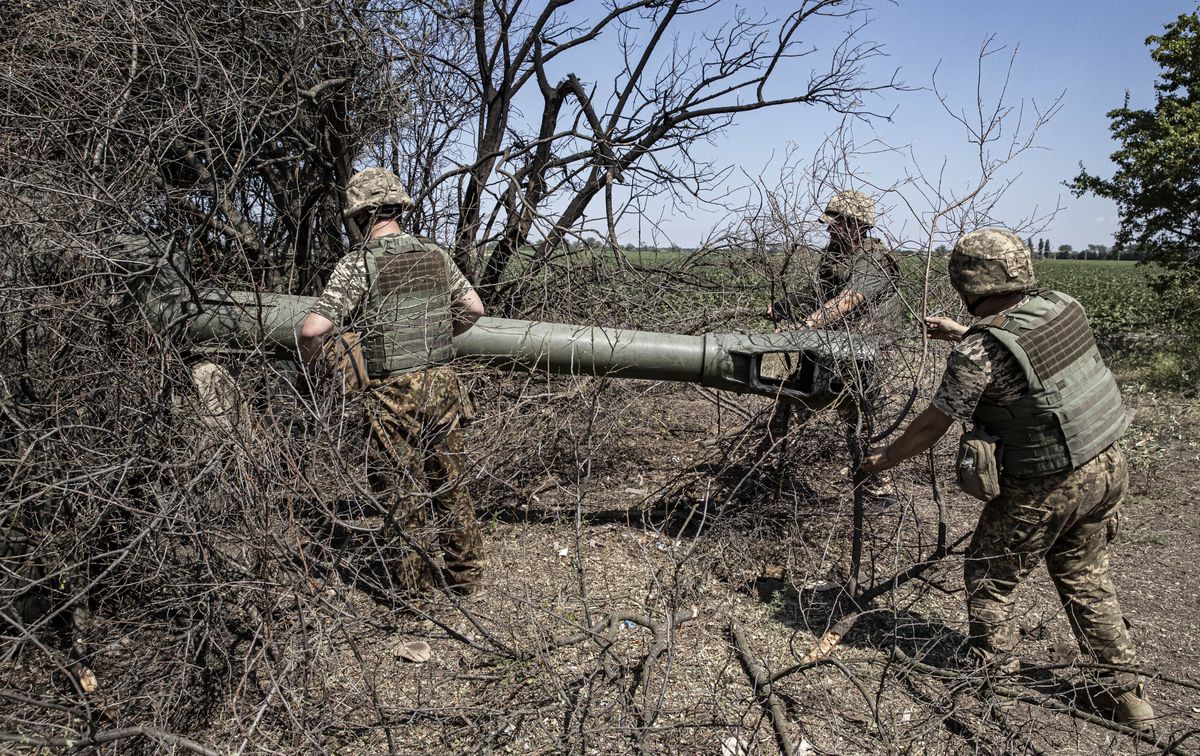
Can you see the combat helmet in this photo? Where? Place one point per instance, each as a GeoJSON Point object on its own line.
{"type": "Point", "coordinates": [372, 189]}
{"type": "Point", "coordinates": [850, 204]}
{"type": "Point", "coordinates": [990, 261]}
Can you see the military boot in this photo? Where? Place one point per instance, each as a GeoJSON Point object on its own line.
{"type": "Point", "coordinates": [986, 670]}
{"type": "Point", "coordinates": [1125, 705]}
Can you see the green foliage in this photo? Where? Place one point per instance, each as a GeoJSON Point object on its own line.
{"type": "Point", "coordinates": [1139, 324]}
{"type": "Point", "coordinates": [1118, 296]}
{"type": "Point", "coordinates": [1157, 182]}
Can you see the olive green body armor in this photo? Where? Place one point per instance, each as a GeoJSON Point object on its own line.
{"type": "Point", "coordinates": [1072, 410]}
{"type": "Point", "coordinates": [837, 267]}
{"type": "Point", "coordinates": [408, 319]}
{"type": "Point", "coordinates": [837, 263]}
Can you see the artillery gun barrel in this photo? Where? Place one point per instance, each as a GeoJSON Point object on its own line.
{"type": "Point", "coordinates": [726, 361]}
{"type": "Point", "coordinates": [584, 350]}
{"type": "Point", "coordinates": [246, 319]}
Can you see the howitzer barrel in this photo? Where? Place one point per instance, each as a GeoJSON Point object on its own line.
{"type": "Point", "coordinates": [245, 319]}
{"type": "Point", "coordinates": [585, 350]}
{"type": "Point", "coordinates": [725, 361]}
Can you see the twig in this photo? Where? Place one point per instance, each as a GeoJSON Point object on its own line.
{"type": "Point", "coordinates": [834, 635]}
{"type": "Point", "coordinates": [655, 627]}
{"type": "Point", "coordinates": [108, 736]}
{"type": "Point", "coordinates": [762, 689]}
{"type": "Point", "coordinates": [1017, 694]}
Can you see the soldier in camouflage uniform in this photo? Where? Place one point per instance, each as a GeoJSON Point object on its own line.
{"type": "Point", "coordinates": [409, 299]}
{"type": "Point", "coordinates": [857, 279]}
{"type": "Point", "coordinates": [1030, 374]}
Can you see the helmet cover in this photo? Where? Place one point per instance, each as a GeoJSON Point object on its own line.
{"type": "Point", "coordinates": [372, 189]}
{"type": "Point", "coordinates": [850, 204]}
{"type": "Point", "coordinates": [991, 261]}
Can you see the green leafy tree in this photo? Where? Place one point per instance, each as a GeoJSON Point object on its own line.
{"type": "Point", "coordinates": [1157, 182]}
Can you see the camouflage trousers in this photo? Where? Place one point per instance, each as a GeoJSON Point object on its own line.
{"type": "Point", "coordinates": [416, 460]}
{"type": "Point", "coordinates": [1067, 518]}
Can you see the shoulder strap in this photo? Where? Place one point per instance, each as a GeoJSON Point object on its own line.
{"type": "Point", "coordinates": [995, 321]}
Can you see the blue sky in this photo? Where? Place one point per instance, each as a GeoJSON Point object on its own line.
{"type": "Point", "coordinates": [1089, 52]}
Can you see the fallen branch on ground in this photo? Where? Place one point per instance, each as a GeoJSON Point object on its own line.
{"type": "Point", "coordinates": [1015, 692]}
{"type": "Point", "coordinates": [108, 736]}
{"type": "Point", "coordinates": [761, 681]}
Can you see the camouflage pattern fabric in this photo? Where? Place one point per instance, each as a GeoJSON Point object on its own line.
{"type": "Point", "coordinates": [347, 288]}
{"type": "Point", "coordinates": [991, 261]}
{"type": "Point", "coordinates": [1067, 518]}
{"type": "Point", "coordinates": [850, 204]}
{"type": "Point", "coordinates": [864, 266]}
{"type": "Point", "coordinates": [979, 366]}
{"type": "Point", "coordinates": [372, 189]}
{"type": "Point", "coordinates": [867, 267]}
{"type": "Point", "coordinates": [416, 460]}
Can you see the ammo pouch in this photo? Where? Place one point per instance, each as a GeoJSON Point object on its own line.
{"type": "Point", "coordinates": [977, 467]}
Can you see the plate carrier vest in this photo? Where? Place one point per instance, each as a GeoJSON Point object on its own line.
{"type": "Point", "coordinates": [1072, 410]}
{"type": "Point", "coordinates": [836, 266]}
{"type": "Point", "coordinates": [408, 319]}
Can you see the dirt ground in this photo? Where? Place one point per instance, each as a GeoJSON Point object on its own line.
{"type": "Point", "coordinates": [652, 585]}
{"type": "Point", "coordinates": [613, 593]}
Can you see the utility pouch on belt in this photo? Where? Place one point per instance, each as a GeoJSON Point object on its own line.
{"type": "Point", "coordinates": [978, 470]}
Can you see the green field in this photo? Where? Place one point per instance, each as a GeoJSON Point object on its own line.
{"type": "Point", "coordinates": [1119, 296]}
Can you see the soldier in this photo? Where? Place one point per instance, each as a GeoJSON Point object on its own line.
{"type": "Point", "coordinates": [1029, 373]}
{"type": "Point", "coordinates": [857, 277]}
{"type": "Point", "coordinates": [409, 299]}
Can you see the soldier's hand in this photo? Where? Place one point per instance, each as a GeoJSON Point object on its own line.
{"type": "Point", "coordinates": [944, 329]}
{"type": "Point", "coordinates": [771, 315]}
{"type": "Point", "coordinates": [876, 460]}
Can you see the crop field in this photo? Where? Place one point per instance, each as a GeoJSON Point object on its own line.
{"type": "Point", "coordinates": [1119, 296]}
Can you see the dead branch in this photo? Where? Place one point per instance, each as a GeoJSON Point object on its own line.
{"type": "Point", "coordinates": [760, 679]}
{"type": "Point", "coordinates": [84, 740]}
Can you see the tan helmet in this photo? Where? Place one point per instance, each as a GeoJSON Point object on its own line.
{"type": "Point", "coordinates": [372, 189]}
{"type": "Point", "coordinates": [991, 261]}
{"type": "Point", "coordinates": [850, 204]}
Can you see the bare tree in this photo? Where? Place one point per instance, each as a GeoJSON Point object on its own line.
{"type": "Point", "coordinates": [188, 565]}
{"type": "Point", "coordinates": [535, 146]}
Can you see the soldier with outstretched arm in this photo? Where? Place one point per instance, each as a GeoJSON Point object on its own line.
{"type": "Point", "coordinates": [1028, 372]}
{"type": "Point", "coordinates": [856, 270]}
{"type": "Point", "coordinates": [407, 299]}
{"type": "Point", "coordinates": [857, 278]}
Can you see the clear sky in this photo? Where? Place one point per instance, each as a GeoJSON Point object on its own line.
{"type": "Point", "coordinates": [1089, 52]}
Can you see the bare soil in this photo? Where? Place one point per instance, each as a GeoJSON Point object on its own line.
{"type": "Point", "coordinates": [604, 623]}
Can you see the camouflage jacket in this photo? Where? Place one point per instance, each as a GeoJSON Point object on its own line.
{"type": "Point", "coordinates": [979, 366]}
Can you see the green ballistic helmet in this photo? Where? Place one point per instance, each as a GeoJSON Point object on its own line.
{"type": "Point", "coordinates": [990, 261]}
{"type": "Point", "coordinates": [850, 204]}
{"type": "Point", "coordinates": [372, 189]}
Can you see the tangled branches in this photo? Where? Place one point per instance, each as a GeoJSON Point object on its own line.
{"type": "Point", "coordinates": [190, 554]}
